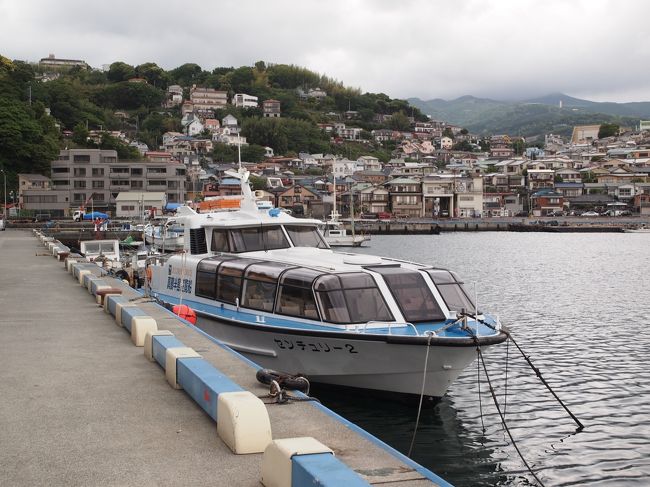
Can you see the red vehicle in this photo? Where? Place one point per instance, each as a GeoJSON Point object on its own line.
{"type": "Point", "coordinates": [384, 215]}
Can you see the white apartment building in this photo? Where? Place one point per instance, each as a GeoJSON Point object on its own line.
{"type": "Point", "coordinates": [242, 100]}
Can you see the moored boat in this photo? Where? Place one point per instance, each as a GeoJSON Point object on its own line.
{"type": "Point", "coordinates": [267, 285]}
{"type": "Point", "coordinates": [166, 236]}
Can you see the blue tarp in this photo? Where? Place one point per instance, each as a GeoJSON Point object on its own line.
{"type": "Point", "coordinates": [95, 214]}
{"type": "Point", "coordinates": [172, 206]}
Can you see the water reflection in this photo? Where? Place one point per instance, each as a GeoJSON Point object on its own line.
{"type": "Point", "coordinates": [578, 304]}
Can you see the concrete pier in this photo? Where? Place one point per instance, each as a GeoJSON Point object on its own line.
{"type": "Point", "coordinates": [80, 405]}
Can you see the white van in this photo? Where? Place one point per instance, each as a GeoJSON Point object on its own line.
{"type": "Point", "coordinates": [2, 223]}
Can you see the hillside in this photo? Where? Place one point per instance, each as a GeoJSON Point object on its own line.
{"type": "Point", "coordinates": [531, 117]}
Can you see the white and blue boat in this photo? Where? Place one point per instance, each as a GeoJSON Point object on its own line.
{"type": "Point", "coordinates": [267, 285]}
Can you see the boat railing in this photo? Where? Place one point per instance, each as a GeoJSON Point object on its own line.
{"type": "Point", "coordinates": [387, 324]}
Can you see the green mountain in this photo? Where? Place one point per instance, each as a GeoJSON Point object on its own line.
{"type": "Point", "coordinates": [531, 117]}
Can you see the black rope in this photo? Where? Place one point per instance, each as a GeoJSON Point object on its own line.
{"type": "Point", "coordinates": [505, 392]}
{"type": "Point", "coordinates": [503, 419]}
{"type": "Point", "coordinates": [478, 381]}
{"type": "Point", "coordinates": [535, 369]}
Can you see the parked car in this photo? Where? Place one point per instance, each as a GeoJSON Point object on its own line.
{"type": "Point", "coordinates": [2, 223]}
{"type": "Point", "coordinates": [383, 215]}
{"type": "Point", "coordinates": [590, 213]}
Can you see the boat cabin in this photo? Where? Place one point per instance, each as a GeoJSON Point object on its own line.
{"type": "Point", "coordinates": [376, 293]}
{"type": "Point", "coordinates": [91, 249]}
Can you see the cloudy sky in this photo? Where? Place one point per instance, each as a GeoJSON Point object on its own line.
{"type": "Point", "coordinates": [503, 49]}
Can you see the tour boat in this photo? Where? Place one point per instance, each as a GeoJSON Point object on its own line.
{"type": "Point", "coordinates": [267, 285]}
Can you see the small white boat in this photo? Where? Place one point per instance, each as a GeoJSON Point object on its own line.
{"type": "Point", "coordinates": [637, 230]}
{"type": "Point", "coordinates": [267, 285]}
{"type": "Point", "coordinates": [166, 236]}
{"type": "Point", "coordinates": [336, 234]}
{"type": "Point", "coordinates": [101, 250]}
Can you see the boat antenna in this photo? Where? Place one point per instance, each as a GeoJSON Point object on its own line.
{"type": "Point", "coordinates": [239, 150]}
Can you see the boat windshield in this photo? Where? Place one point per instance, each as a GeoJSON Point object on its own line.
{"type": "Point", "coordinates": [351, 298]}
{"type": "Point", "coordinates": [452, 290]}
{"type": "Point", "coordinates": [413, 296]}
{"type": "Point", "coordinates": [305, 236]}
{"type": "Point", "coordinates": [249, 239]}
{"type": "Point", "coordinates": [96, 248]}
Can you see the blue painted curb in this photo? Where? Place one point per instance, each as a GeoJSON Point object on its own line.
{"type": "Point", "coordinates": [323, 469]}
{"type": "Point", "coordinates": [203, 382]}
{"type": "Point", "coordinates": [159, 346]}
{"type": "Point", "coordinates": [128, 314]}
{"type": "Point", "coordinates": [112, 300]}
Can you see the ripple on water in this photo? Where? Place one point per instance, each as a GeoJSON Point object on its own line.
{"type": "Point", "coordinates": [578, 305]}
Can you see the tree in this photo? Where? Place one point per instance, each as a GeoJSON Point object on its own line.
{"type": "Point", "coordinates": [463, 145]}
{"type": "Point", "coordinates": [608, 130]}
{"type": "Point", "coordinates": [153, 73]}
{"type": "Point", "coordinates": [400, 122]}
{"type": "Point", "coordinates": [447, 132]}
{"type": "Point", "coordinates": [130, 96]}
{"type": "Point", "coordinates": [187, 74]}
{"type": "Point", "coordinates": [257, 183]}
{"type": "Point", "coordinates": [120, 71]}
{"type": "Point", "coordinates": [80, 134]}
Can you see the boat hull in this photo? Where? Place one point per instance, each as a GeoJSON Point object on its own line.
{"type": "Point", "coordinates": [376, 362]}
{"type": "Point", "coordinates": [170, 244]}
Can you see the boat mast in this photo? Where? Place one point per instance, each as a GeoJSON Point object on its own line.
{"type": "Point", "coordinates": [352, 210]}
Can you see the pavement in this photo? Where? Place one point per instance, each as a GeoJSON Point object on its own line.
{"type": "Point", "coordinates": [80, 405]}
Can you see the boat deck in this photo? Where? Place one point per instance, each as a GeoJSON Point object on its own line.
{"type": "Point", "coordinates": [81, 405]}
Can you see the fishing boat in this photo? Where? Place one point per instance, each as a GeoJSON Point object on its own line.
{"type": "Point", "coordinates": [267, 285]}
{"type": "Point", "coordinates": [336, 235]}
{"type": "Point", "coordinates": [641, 229]}
{"type": "Point", "coordinates": [166, 235]}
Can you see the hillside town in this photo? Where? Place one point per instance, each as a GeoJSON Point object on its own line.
{"type": "Point", "coordinates": [435, 169]}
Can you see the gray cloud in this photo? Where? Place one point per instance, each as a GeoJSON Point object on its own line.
{"type": "Point", "coordinates": [505, 49]}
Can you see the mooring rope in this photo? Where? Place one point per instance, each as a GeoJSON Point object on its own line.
{"type": "Point", "coordinates": [503, 419]}
{"type": "Point", "coordinates": [424, 379]}
{"type": "Point", "coordinates": [538, 373]}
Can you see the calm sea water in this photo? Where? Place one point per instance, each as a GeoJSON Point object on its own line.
{"type": "Point", "coordinates": [579, 305]}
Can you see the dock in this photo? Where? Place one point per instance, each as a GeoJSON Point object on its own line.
{"type": "Point", "coordinates": [82, 405]}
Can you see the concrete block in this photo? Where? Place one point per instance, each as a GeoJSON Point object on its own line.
{"type": "Point", "coordinates": [243, 423]}
{"type": "Point", "coordinates": [277, 464]}
{"type": "Point", "coordinates": [81, 274]}
{"type": "Point", "coordinates": [127, 313]}
{"type": "Point", "coordinates": [154, 348]}
{"type": "Point", "coordinates": [140, 325]}
{"type": "Point", "coordinates": [324, 470]}
{"type": "Point", "coordinates": [203, 382]}
{"type": "Point", "coordinates": [173, 354]}
{"type": "Point", "coordinates": [118, 311]}
{"type": "Point", "coordinates": [103, 295]}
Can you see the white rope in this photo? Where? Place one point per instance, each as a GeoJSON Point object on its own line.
{"type": "Point", "coordinates": [424, 379]}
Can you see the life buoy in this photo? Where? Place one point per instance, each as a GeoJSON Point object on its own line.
{"type": "Point", "coordinates": [185, 312]}
{"type": "Point", "coordinates": [295, 382]}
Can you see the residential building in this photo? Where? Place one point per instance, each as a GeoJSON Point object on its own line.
{"type": "Point", "coordinates": [369, 163]}
{"type": "Point", "coordinates": [585, 134]}
{"type": "Point", "coordinates": [405, 197]}
{"type": "Point", "coordinates": [540, 178]}
{"type": "Point", "coordinates": [446, 143]}
{"type": "Point", "coordinates": [271, 108]}
{"type": "Point", "coordinates": [242, 100]}
{"type": "Point", "coordinates": [80, 175]}
{"type": "Point", "coordinates": [207, 98]}
{"type": "Point", "coordinates": [135, 204]}
{"type": "Point", "coordinates": [546, 201]}
{"type": "Point", "coordinates": [52, 62]}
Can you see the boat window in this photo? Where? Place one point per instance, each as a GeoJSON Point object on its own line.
{"type": "Point", "coordinates": [452, 290]}
{"type": "Point", "coordinates": [260, 285]}
{"type": "Point", "coordinates": [296, 297]}
{"type": "Point", "coordinates": [351, 298]}
{"type": "Point", "coordinates": [257, 238]}
{"type": "Point", "coordinates": [305, 236]}
{"type": "Point", "coordinates": [220, 240]}
{"type": "Point", "coordinates": [206, 277]}
{"type": "Point", "coordinates": [229, 280]}
{"type": "Point", "coordinates": [412, 294]}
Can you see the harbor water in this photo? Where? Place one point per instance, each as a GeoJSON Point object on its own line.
{"type": "Point", "coordinates": [579, 306]}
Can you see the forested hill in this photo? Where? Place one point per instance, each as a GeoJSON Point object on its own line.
{"type": "Point", "coordinates": [83, 99]}
{"type": "Point", "coordinates": [555, 113]}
